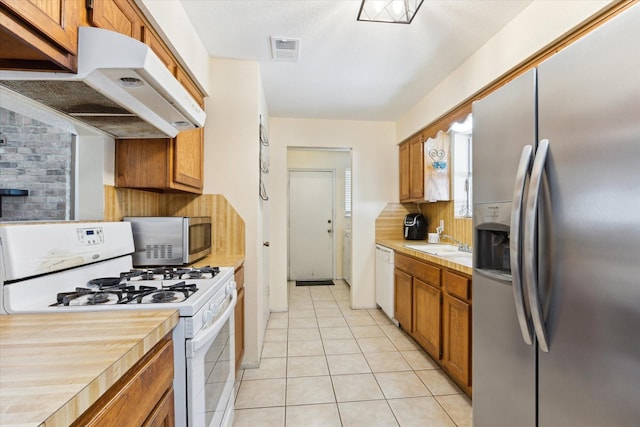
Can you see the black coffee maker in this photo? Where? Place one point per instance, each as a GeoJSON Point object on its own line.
{"type": "Point", "coordinates": [415, 227]}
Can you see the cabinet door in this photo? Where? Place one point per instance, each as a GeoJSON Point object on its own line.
{"type": "Point", "coordinates": [426, 316]}
{"type": "Point", "coordinates": [164, 414]}
{"type": "Point", "coordinates": [39, 35]}
{"type": "Point", "coordinates": [239, 328]}
{"type": "Point", "coordinates": [188, 84]}
{"type": "Point", "coordinates": [403, 299]}
{"type": "Point", "coordinates": [403, 150]}
{"type": "Point", "coordinates": [416, 168]}
{"type": "Point", "coordinates": [188, 160]}
{"type": "Point", "coordinates": [142, 163]}
{"type": "Point", "coordinates": [158, 47]}
{"type": "Point", "coordinates": [116, 15]}
{"type": "Point", "coordinates": [56, 19]}
{"type": "Point", "coordinates": [457, 338]}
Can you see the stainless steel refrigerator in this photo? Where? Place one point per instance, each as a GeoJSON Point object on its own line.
{"type": "Point", "coordinates": [556, 284]}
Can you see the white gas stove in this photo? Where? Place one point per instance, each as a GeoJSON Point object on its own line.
{"type": "Point", "coordinates": [63, 267]}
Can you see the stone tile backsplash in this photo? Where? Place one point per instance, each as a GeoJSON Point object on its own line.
{"type": "Point", "coordinates": [35, 157]}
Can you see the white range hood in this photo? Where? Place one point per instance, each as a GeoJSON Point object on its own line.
{"type": "Point", "coordinates": [121, 88]}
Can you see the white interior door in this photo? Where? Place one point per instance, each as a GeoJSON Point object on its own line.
{"type": "Point", "coordinates": [311, 224]}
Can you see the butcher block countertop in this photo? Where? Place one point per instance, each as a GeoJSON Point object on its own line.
{"type": "Point", "coordinates": [398, 246]}
{"type": "Point", "coordinates": [55, 366]}
{"type": "Point", "coordinates": [234, 261]}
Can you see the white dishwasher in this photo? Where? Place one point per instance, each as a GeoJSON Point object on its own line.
{"type": "Point", "coordinates": [384, 281]}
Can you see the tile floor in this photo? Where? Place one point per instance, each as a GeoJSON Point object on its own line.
{"type": "Point", "coordinates": [324, 364]}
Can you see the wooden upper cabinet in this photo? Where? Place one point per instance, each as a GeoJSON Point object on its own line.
{"type": "Point", "coordinates": [416, 168]}
{"type": "Point", "coordinates": [162, 164]}
{"type": "Point", "coordinates": [188, 84]}
{"type": "Point", "coordinates": [404, 171]}
{"type": "Point", "coordinates": [411, 169]}
{"type": "Point", "coordinates": [39, 35]}
{"type": "Point", "coordinates": [159, 48]}
{"type": "Point", "coordinates": [420, 179]}
{"type": "Point", "coordinates": [188, 159]}
{"type": "Point", "coordinates": [116, 15]}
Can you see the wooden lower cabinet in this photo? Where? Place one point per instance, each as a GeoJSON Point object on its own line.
{"type": "Point", "coordinates": [426, 317]}
{"type": "Point", "coordinates": [433, 304]}
{"type": "Point", "coordinates": [142, 397]}
{"type": "Point", "coordinates": [164, 415]}
{"type": "Point", "coordinates": [403, 297]}
{"type": "Point", "coordinates": [457, 339]}
{"type": "Point", "coordinates": [456, 322]}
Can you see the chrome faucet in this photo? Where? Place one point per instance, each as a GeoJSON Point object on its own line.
{"type": "Point", "coordinates": [462, 247]}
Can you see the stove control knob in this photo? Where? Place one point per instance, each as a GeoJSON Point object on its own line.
{"type": "Point", "coordinates": [230, 287]}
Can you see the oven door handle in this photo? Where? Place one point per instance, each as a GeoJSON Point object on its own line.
{"type": "Point", "coordinates": [206, 335]}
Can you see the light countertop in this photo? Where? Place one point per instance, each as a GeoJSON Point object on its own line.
{"type": "Point", "coordinates": [398, 246]}
{"type": "Point", "coordinates": [212, 260]}
{"type": "Point", "coordinates": [55, 366]}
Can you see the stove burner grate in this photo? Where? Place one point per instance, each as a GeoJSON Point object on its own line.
{"type": "Point", "coordinates": [84, 296]}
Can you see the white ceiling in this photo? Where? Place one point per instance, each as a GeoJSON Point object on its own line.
{"type": "Point", "coordinates": [348, 69]}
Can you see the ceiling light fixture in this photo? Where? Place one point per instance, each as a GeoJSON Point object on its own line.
{"type": "Point", "coordinates": [392, 11]}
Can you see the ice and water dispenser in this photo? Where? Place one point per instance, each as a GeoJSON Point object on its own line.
{"type": "Point", "coordinates": [491, 245]}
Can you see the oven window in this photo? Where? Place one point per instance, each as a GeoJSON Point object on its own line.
{"type": "Point", "coordinates": [211, 379]}
{"type": "Point", "coordinates": [199, 237]}
{"type": "Point", "coordinates": [218, 367]}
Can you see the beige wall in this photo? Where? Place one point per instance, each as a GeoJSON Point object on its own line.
{"type": "Point", "coordinates": [537, 26]}
{"type": "Point", "coordinates": [374, 183]}
{"type": "Point", "coordinates": [231, 169]}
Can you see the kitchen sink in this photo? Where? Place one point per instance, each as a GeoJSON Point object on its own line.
{"type": "Point", "coordinates": [448, 252]}
{"type": "Point", "coordinates": [439, 250]}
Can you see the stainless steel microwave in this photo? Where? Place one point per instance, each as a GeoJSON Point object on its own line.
{"type": "Point", "coordinates": [170, 240]}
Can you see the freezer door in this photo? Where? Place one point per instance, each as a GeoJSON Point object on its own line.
{"type": "Point", "coordinates": [503, 123]}
{"type": "Point", "coordinates": [589, 110]}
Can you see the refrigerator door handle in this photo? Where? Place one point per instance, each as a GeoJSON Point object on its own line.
{"type": "Point", "coordinates": [529, 261]}
{"type": "Point", "coordinates": [515, 244]}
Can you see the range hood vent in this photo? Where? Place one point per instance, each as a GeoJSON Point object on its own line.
{"type": "Point", "coordinates": [121, 88]}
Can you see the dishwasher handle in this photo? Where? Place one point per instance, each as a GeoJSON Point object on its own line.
{"type": "Point", "coordinates": [384, 254]}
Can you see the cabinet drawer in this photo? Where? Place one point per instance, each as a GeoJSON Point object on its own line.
{"type": "Point", "coordinates": [418, 269]}
{"type": "Point", "coordinates": [130, 401]}
{"type": "Point", "coordinates": [457, 285]}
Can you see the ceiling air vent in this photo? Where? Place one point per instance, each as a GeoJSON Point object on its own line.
{"type": "Point", "coordinates": [285, 49]}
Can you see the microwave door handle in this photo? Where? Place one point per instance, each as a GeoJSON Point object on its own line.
{"type": "Point", "coordinates": [207, 334]}
{"type": "Point", "coordinates": [185, 241]}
